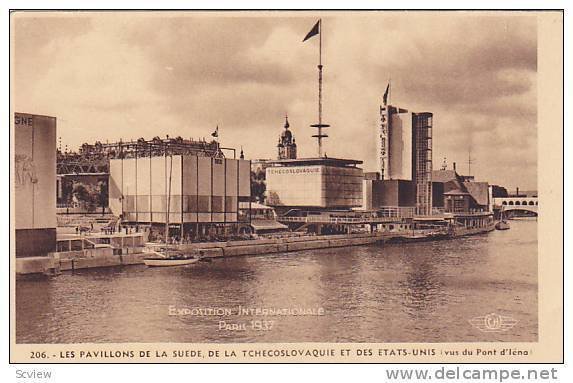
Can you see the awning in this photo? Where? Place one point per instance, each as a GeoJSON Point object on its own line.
{"type": "Point", "coordinates": [253, 206]}
{"type": "Point", "coordinates": [439, 218]}
{"type": "Point", "coordinates": [267, 224]}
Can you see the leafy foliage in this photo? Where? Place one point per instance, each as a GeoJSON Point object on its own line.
{"type": "Point", "coordinates": [258, 186]}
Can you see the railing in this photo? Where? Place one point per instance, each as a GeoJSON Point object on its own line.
{"type": "Point", "coordinates": [66, 205]}
{"type": "Point", "coordinates": [472, 212]}
{"type": "Point", "coordinates": [519, 207]}
{"type": "Point", "coordinates": [395, 211]}
{"type": "Point", "coordinates": [98, 241]}
{"type": "Point", "coordinates": [61, 209]}
{"type": "Point", "coordinates": [74, 244]}
{"type": "Point", "coordinates": [433, 231]}
{"type": "Point", "coordinates": [325, 219]}
{"type": "Point", "coordinates": [384, 214]}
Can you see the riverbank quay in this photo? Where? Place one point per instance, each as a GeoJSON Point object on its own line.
{"type": "Point", "coordinates": [84, 251]}
{"type": "Point", "coordinates": [53, 264]}
{"type": "Point", "coordinates": [109, 251]}
{"type": "Point", "coordinates": [283, 245]}
{"type": "Point", "coordinates": [106, 257]}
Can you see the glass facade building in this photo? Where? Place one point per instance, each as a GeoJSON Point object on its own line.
{"type": "Point", "coordinates": [190, 188]}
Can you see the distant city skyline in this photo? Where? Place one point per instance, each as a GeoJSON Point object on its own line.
{"type": "Point", "coordinates": [124, 75]}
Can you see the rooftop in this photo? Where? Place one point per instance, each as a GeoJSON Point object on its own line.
{"type": "Point", "coordinates": [329, 161]}
{"type": "Point", "coordinates": [478, 190]}
{"type": "Point", "coordinates": [443, 175]}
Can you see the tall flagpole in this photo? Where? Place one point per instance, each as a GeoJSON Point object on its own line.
{"type": "Point", "coordinates": [389, 89]}
{"type": "Point", "coordinates": [320, 125]}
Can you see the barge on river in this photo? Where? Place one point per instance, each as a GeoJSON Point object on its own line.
{"type": "Point", "coordinates": [399, 221]}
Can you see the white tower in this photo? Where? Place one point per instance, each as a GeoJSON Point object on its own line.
{"type": "Point", "coordinates": [383, 143]}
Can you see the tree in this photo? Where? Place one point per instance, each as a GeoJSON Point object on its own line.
{"type": "Point", "coordinates": [103, 195]}
{"type": "Point", "coordinates": [86, 196]}
{"type": "Point", "coordinates": [260, 175]}
{"type": "Point", "coordinates": [67, 186]}
{"type": "Point", "coordinates": [258, 186]}
{"type": "Point", "coordinates": [499, 191]}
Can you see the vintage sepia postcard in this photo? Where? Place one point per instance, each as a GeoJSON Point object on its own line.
{"type": "Point", "coordinates": [286, 186]}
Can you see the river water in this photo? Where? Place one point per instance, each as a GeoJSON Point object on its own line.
{"type": "Point", "coordinates": [423, 292]}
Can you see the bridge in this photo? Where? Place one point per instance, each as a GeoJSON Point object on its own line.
{"type": "Point", "coordinates": [517, 204]}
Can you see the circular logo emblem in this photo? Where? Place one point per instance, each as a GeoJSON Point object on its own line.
{"type": "Point", "coordinates": [493, 321]}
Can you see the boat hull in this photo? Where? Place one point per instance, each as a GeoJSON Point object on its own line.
{"type": "Point", "coordinates": [502, 225]}
{"type": "Point", "coordinates": [461, 232]}
{"type": "Point", "coordinates": [156, 262]}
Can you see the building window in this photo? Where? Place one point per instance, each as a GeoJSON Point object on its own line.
{"type": "Point", "coordinates": [511, 202]}
{"type": "Point", "coordinates": [459, 205]}
{"type": "Point", "coordinates": [231, 204]}
{"type": "Point", "coordinates": [204, 204]}
{"type": "Point", "coordinates": [531, 203]}
{"type": "Point", "coordinates": [217, 204]}
{"type": "Point", "coordinates": [190, 204]}
{"type": "Point", "coordinates": [504, 203]}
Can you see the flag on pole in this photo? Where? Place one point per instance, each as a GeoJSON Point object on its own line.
{"type": "Point", "coordinates": [314, 31]}
{"type": "Point", "coordinates": [216, 132]}
{"type": "Point", "coordinates": [385, 98]}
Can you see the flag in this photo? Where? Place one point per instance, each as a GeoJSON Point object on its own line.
{"type": "Point", "coordinates": [385, 98]}
{"type": "Point", "coordinates": [314, 31]}
{"type": "Point", "coordinates": [216, 132]}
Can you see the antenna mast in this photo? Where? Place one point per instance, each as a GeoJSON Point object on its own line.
{"type": "Point", "coordinates": [470, 161]}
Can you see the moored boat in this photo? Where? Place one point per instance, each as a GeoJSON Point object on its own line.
{"type": "Point", "coordinates": [502, 225]}
{"type": "Point", "coordinates": [162, 262]}
{"type": "Point", "coordinates": [168, 257]}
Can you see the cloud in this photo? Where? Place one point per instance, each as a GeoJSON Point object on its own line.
{"type": "Point", "coordinates": [113, 75]}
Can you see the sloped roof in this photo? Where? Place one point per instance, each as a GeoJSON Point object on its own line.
{"type": "Point", "coordinates": [478, 190]}
{"type": "Point", "coordinates": [443, 175]}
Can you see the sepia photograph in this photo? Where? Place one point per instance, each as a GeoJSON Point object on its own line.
{"type": "Point", "coordinates": [268, 178]}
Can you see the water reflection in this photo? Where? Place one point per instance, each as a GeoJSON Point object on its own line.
{"type": "Point", "coordinates": [394, 293]}
{"type": "Point", "coordinates": [421, 289]}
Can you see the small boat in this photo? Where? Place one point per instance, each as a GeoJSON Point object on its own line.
{"type": "Point", "coordinates": [502, 225]}
{"type": "Point", "coordinates": [168, 257]}
{"type": "Point", "coordinates": [162, 262]}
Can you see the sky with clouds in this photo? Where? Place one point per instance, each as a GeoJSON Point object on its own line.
{"type": "Point", "coordinates": [125, 75]}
